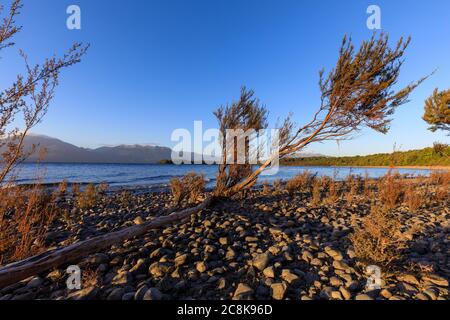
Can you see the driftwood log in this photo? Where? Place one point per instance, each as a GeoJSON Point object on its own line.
{"type": "Point", "coordinates": [21, 270]}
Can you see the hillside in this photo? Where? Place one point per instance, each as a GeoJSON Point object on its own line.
{"type": "Point", "coordinates": [59, 151]}
{"type": "Point", "coordinates": [423, 157]}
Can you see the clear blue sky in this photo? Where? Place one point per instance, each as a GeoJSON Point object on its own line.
{"type": "Point", "coordinates": [155, 66]}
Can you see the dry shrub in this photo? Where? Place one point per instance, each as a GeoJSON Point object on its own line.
{"type": "Point", "coordinates": [124, 199]}
{"type": "Point", "coordinates": [277, 186]}
{"type": "Point", "coordinates": [441, 181]}
{"type": "Point", "coordinates": [26, 214]}
{"type": "Point", "coordinates": [367, 185]}
{"type": "Point", "coordinates": [76, 190]}
{"type": "Point", "coordinates": [390, 190]}
{"type": "Point", "coordinates": [102, 188]}
{"type": "Point", "coordinates": [333, 194]}
{"type": "Point", "coordinates": [62, 189]}
{"type": "Point", "coordinates": [413, 198]}
{"type": "Point", "coordinates": [316, 198]}
{"type": "Point", "coordinates": [440, 178]}
{"type": "Point", "coordinates": [189, 188]}
{"type": "Point", "coordinates": [88, 198]}
{"type": "Point", "coordinates": [90, 278]}
{"type": "Point", "coordinates": [325, 180]}
{"type": "Point", "coordinates": [265, 188]}
{"type": "Point", "coordinates": [299, 182]}
{"type": "Point", "coordinates": [442, 193]}
{"type": "Point", "coordinates": [379, 239]}
{"type": "Point", "coordinates": [353, 185]}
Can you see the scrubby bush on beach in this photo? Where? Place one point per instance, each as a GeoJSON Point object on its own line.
{"type": "Point", "coordinates": [316, 189]}
{"type": "Point", "coordinates": [25, 216]}
{"type": "Point", "coordinates": [265, 188]}
{"type": "Point", "coordinates": [62, 189]}
{"type": "Point", "coordinates": [88, 198]}
{"type": "Point", "coordinates": [102, 188]}
{"type": "Point", "coordinates": [390, 189]}
{"type": "Point", "coordinates": [413, 198]}
{"type": "Point", "coordinates": [299, 183]}
{"type": "Point", "coordinates": [378, 239]}
{"type": "Point", "coordinates": [277, 186]}
{"type": "Point", "coordinates": [189, 188]}
{"type": "Point", "coordinates": [352, 187]}
{"type": "Point", "coordinates": [124, 199]}
{"type": "Point", "coordinates": [333, 192]}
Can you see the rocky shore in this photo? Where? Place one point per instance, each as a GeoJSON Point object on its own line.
{"type": "Point", "coordinates": [267, 246]}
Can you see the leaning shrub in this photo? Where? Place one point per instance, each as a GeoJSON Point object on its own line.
{"type": "Point", "coordinates": [189, 188]}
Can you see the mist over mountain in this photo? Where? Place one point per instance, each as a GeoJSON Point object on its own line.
{"type": "Point", "coordinates": [60, 151]}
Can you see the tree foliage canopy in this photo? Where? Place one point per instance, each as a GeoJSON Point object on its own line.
{"type": "Point", "coordinates": [437, 110]}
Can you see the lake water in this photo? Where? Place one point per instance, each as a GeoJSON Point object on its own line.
{"type": "Point", "coordinates": [155, 175]}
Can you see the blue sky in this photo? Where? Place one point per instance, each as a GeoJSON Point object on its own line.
{"type": "Point", "coordinates": [155, 66]}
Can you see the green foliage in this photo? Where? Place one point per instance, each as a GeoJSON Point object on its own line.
{"type": "Point", "coordinates": [424, 157]}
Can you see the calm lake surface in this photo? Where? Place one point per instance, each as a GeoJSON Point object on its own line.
{"type": "Point", "coordinates": [155, 175]}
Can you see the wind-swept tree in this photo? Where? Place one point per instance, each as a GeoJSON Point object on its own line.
{"type": "Point", "coordinates": [437, 110]}
{"type": "Point", "coordinates": [358, 93]}
{"type": "Point", "coordinates": [29, 95]}
{"type": "Point", "coordinates": [237, 124]}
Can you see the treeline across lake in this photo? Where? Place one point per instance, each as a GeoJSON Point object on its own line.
{"type": "Point", "coordinates": [438, 155]}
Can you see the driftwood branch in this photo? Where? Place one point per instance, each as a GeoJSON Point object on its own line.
{"type": "Point", "coordinates": [20, 270]}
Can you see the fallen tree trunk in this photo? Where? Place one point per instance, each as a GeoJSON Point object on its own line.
{"type": "Point", "coordinates": [20, 270]}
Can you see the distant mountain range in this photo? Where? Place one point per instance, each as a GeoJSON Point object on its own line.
{"type": "Point", "coordinates": [63, 152]}
{"type": "Point", "coordinates": [60, 151]}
